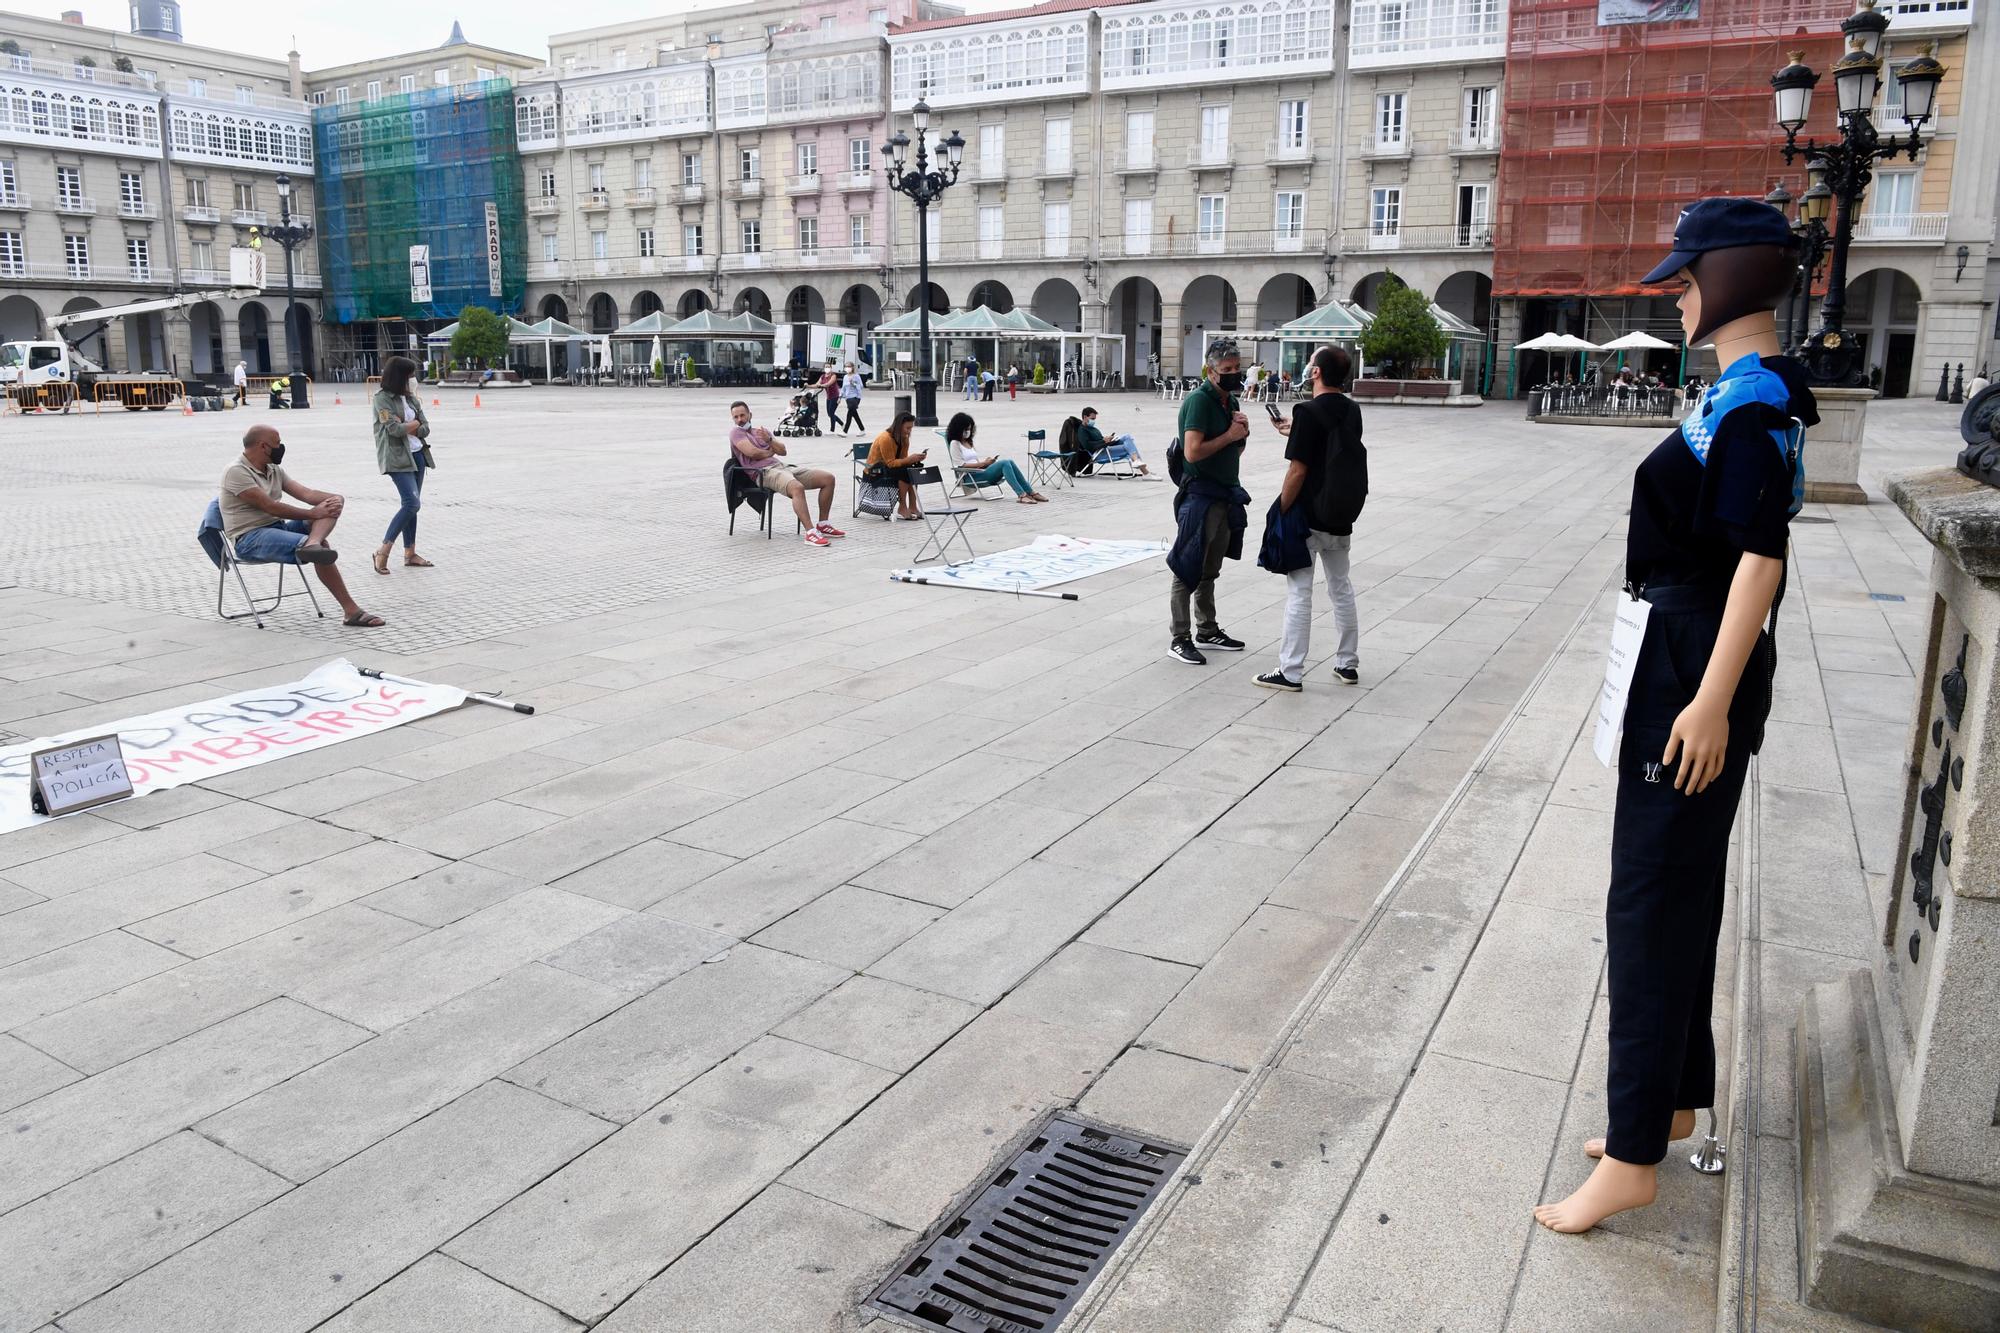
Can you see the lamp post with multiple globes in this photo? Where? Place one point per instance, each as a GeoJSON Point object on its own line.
{"type": "Point", "coordinates": [924, 183]}
{"type": "Point", "coordinates": [1842, 169]}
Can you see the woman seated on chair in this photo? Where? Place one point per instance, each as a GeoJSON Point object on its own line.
{"type": "Point", "coordinates": [890, 459]}
{"type": "Point", "coordinates": [1100, 449]}
{"type": "Point", "coordinates": [985, 469]}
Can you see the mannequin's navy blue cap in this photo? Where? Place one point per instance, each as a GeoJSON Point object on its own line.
{"type": "Point", "coordinates": [1721, 224]}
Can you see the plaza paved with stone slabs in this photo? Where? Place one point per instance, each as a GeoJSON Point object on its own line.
{"type": "Point", "coordinates": [689, 1002]}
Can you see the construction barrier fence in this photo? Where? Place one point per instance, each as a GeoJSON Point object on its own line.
{"type": "Point", "coordinates": [421, 169]}
{"type": "Point", "coordinates": [135, 394]}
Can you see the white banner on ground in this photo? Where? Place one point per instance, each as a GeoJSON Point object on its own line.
{"type": "Point", "coordinates": [1042, 563]}
{"type": "Point", "coordinates": [203, 740]}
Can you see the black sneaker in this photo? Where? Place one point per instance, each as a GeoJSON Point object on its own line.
{"type": "Point", "coordinates": [1219, 641]}
{"type": "Point", "coordinates": [1347, 675]}
{"type": "Point", "coordinates": [1278, 680]}
{"type": "Point", "coordinates": [1183, 650]}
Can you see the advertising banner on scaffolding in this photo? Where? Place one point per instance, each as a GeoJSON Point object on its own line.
{"type": "Point", "coordinates": [492, 248]}
{"type": "Point", "coordinates": [1613, 12]}
{"type": "Point", "coordinates": [420, 274]}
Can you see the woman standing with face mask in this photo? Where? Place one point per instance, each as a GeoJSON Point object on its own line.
{"type": "Point", "coordinates": [402, 448]}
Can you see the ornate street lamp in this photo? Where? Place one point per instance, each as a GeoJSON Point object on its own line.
{"type": "Point", "coordinates": [1840, 171]}
{"type": "Point", "coordinates": [925, 187]}
{"type": "Point", "coordinates": [291, 235]}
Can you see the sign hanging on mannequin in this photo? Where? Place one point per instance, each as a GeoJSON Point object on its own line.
{"type": "Point", "coordinates": [1628, 632]}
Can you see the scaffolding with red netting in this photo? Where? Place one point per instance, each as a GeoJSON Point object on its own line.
{"type": "Point", "coordinates": [1613, 128]}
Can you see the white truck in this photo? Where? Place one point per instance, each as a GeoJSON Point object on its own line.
{"type": "Point", "coordinates": [52, 372]}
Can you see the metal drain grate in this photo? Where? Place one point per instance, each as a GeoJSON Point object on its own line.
{"type": "Point", "coordinates": [1017, 1255]}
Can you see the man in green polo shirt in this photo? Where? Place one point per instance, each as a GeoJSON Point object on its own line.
{"type": "Point", "coordinates": [1211, 508]}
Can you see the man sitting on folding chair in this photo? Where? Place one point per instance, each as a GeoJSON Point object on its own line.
{"type": "Point", "coordinates": [1103, 452]}
{"type": "Point", "coordinates": [758, 454]}
{"type": "Point", "coordinates": [263, 529]}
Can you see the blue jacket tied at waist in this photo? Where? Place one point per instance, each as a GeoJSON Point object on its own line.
{"type": "Point", "coordinates": [1284, 548]}
{"type": "Point", "coordinates": [1185, 558]}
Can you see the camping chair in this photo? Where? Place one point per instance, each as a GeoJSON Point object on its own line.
{"type": "Point", "coordinates": [859, 453]}
{"type": "Point", "coordinates": [222, 553]}
{"type": "Point", "coordinates": [967, 487]}
{"type": "Point", "coordinates": [1102, 464]}
{"type": "Point", "coordinates": [943, 519]}
{"type": "Point", "coordinates": [740, 487]}
{"type": "Point", "coordinates": [1044, 464]}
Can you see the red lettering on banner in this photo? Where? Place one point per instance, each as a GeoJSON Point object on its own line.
{"type": "Point", "coordinates": [273, 737]}
{"type": "Point", "coordinates": [368, 708]}
{"type": "Point", "coordinates": [230, 747]}
{"type": "Point", "coordinates": [332, 721]}
{"type": "Point", "coordinates": [166, 762]}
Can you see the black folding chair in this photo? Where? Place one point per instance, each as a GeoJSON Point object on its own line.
{"type": "Point", "coordinates": [740, 486]}
{"type": "Point", "coordinates": [945, 521]}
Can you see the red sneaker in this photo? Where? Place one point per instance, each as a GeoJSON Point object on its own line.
{"type": "Point", "coordinates": [828, 530]}
{"type": "Point", "coordinates": [814, 539]}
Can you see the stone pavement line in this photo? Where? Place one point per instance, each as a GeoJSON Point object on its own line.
{"type": "Point", "coordinates": [1101, 1308]}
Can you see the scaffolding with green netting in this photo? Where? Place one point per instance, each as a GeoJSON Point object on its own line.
{"type": "Point", "coordinates": [420, 168]}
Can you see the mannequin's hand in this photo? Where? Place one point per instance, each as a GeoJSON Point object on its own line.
{"type": "Point", "coordinates": [1701, 738]}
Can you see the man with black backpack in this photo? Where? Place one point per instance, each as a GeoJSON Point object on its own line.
{"type": "Point", "coordinates": [1329, 477]}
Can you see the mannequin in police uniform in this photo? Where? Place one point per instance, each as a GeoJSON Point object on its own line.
{"type": "Point", "coordinates": [1711, 508]}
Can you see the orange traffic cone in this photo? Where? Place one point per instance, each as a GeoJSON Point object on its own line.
{"type": "Point", "coordinates": [187, 408]}
{"type": "Point", "coordinates": [336, 400]}
{"type": "Point", "coordinates": [475, 401]}
{"type": "Point", "coordinates": [436, 403]}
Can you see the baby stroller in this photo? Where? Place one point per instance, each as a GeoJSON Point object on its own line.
{"type": "Point", "coordinates": [803, 419]}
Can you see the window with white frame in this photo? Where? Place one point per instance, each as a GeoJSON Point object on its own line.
{"type": "Point", "coordinates": [1390, 119]}
{"type": "Point", "coordinates": [1475, 215]}
{"type": "Point", "coordinates": [691, 239]}
{"type": "Point", "coordinates": [1385, 212]}
{"type": "Point", "coordinates": [992, 231]}
{"type": "Point", "coordinates": [808, 236]}
{"type": "Point", "coordinates": [749, 164]}
{"type": "Point", "coordinates": [551, 247]}
{"type": "Point", "coordinates": [374, 93]}
{"type": "Point", "coordinates": [808, 159]}
{"type": "Point", "coordinates": [13, 257]}
{"type": "Point", "coordinates": [9, 183]}
{"type": "Point", "coordinates": [992, 150]}
{"type": "Point", "coordinates": [690, 168]}
{"type": "Point", "coordinates": [1565, 221]}
{"type": "Point", "coordinates": [857, 231]}
{"type": "Point", "coordinates": [197, 87]}
{"type": "Point", "coordinates": [1288, 216]}
{"type": "Point", "coordinates": [69, 186]}
{"type": "Point", "coordinates": [1201, 43]}
{"type": "Point", "coordinates": [76, 255]}
{"type": "Point", "coordinates": [1055, 230]}
{"type": "Point", "coordinates": [197, 191]}
{"type": "Point", "coordinates": [1211, 222]}
{"type": "Point", "coordinates": [1476, 124]}
{"type": "Point", "coordinates": [646, 243]}
{"type": "Point", "coordinates": [600, 245]}
{"type": "Point", "coordinates": [752, 232]}
{"type": "Point", "coordinates": [547, 180]}
{"type": "Point", "coordinates": [1572, 127]}
{"type": "Point", "coordinates": [406, 84]}
{"type": "Point", "coordinates": [139, 258]}
{"type": "Point", "coordinates": [1215, 134]}
{"type": "Point", "coordinates": [1055, 145]}
{"type": "Point", "coordinates": [202, 255]}
{"type": "Point", "coordinates": [441, 77]}
{"type": "Point", "coordinates": [1138, 226]}
{"type": "Point", "coordinates": [858, 155]}
{"type": "Point", "coordinates": [596, 179]}
{"type": "Point", "coordinates": [1684, 116]}
{"type": "Point", "coordinates": [131, 194]}
{"type": "Point", "coordinates": [340, 96]}
{"type": "Point", "coordinates": [642, 174]}
{"type": "Point", "coordinates": [1891, 201]}
{"type": "Point", "coordinates": [1292, 125]}
{"type": "Point", "coordinates": [1139, 139]}
{"type": "Point", "coordinates": [618, 57]}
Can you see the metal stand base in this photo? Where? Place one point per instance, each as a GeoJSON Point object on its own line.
{"type": "Point", "coordinates": [1709, 1157]}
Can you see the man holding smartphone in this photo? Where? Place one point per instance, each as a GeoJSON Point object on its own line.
{"type": "Point", "coordinates": [1211, 509]}
{"type": "Point", "coordinates": [1328, 474]}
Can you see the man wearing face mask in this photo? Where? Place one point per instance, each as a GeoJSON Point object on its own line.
{"type": "Point", "coordinates": [263, 528]}
{"type": "Point", "coordinates": [1212, 507]}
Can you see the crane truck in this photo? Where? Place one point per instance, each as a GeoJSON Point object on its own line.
{"type": "Point", "coordinates": [34, 373]}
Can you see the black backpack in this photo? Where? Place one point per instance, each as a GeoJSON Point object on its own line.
{"type": "Point", "coordinates": [1342, 489]}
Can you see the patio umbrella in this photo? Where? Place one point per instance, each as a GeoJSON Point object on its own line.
{"type": "Point", "coordinates": [1638, 340]}
{"type": "Point", "coordinates": [658, 357]}
{"type": "Point", "coordinates": [1557, 342]}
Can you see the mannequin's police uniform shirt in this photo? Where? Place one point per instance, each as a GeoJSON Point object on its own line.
{"type": "Point", "coordinates": [1720, 485]}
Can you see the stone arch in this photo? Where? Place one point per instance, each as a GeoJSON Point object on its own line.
{"type": "Point", "coordinates": [1134, 310]}
{"type": "Point", "coordinates": [1469, 295]}
{"type": "Point", "coordinates": [646, 303]}
{"type": "Point", "coordinates": [1368, 292]}
{"type": "Point", "coordinates": [210, 358]}
{"type": "Point", "coordinates": [603, 313]}
{"type": "Point", "coordinates": [753, 300]}
{"type": "Point", "coordinates": [939, 302]}
{"type": "Point", "coordinates": [1280, 301]}
{"type": "Point", "coordinates": [693, 301]}
{"type": "Point", "coordinates": [861, 309]}
{"type": "Point", "coordinates": [1208, 307]}
{"type": "Point", "coordinates": [993, 294]}
{"type": "Point", "coordinates": [1883, 305]}
{"type": "Point", "coordinates": [20, 320]}
{"type": "Point", "coordinates": [1058, 301]}
{"type": "Point", "coordinates": [805, 305]}
{"type": "Point", "coordinates": [253, 337]}
{"type": "Point", "coordinates": [554, 307]}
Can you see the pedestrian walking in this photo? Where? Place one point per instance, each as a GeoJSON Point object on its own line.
{"type": "Point", "coordinates": [240, 377]}
{"type": "Point", "coordinates": [1705, 554]}
{"type": "Point", "coordinates": [971, 379]}
{"type": "Point", "coordinates": [1013, 383]}
{"type": "Point", "coordinates": [403, 452]}
{"type": "Point", "coordinates": [829, 384]}
{"type": "Point", "coordinates": [1325, 486]}
{"type": "Point", "coordinates": [1210, 509]}
{"type": "Point", "coordinates": [850, 397]}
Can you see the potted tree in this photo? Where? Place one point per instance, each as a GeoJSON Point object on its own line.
{"type": "Point", "coordinates": [480, 340]}
{"type": "Point", "coordinates": [1403, 336]}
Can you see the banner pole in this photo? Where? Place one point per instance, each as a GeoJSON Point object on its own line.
{"type": "Point", "coordinates": [489, 698]}
{"type": "Point", "coordinates": [971, 587]}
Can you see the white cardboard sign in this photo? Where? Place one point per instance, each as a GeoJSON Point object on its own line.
{"type": "Point", "coordinates": [79, 775]}
{"type": "Point", "coordinates": [1628, 632]}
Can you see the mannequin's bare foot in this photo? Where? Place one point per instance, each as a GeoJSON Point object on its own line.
{"type": "Point", "coordinates": [1683, 1127]}
{"type": "Point", "coordinates": [1613, 1187]}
